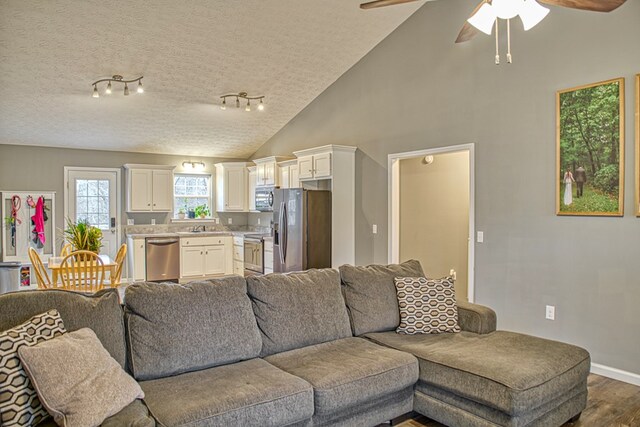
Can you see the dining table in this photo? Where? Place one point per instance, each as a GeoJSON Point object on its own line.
{"type": "Point", "coordinates": [55, 264]}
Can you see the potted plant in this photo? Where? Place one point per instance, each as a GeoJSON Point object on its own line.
{"type": "Point", "coordinates": [82, 236]}
{"type": "Point", "coordinates": [181, 213]}
{"type": "Point", "coordinates": [202, 211]}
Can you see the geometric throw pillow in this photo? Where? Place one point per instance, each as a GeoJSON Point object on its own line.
{"type": "Point", "coordinates": [77, 380]}
{"type": "Point", "coordinates": [19, 404]}
{"type": "Point", "coordinates": [427, 306]}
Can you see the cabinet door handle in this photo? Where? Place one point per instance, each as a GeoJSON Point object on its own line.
{"type": "Point", "coordinates": [154, 204]}
{"type": "Point", "coordinates": [200, 252]}
{"type": "Point", "coordinates": [207, 253]}
{"type": "Point", "coordinates": [148, 204]}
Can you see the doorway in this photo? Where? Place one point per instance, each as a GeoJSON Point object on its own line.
{"type": "Point", "coordinates": [431, 212]}
{"type": "Point", "coordinates": [93, 194]}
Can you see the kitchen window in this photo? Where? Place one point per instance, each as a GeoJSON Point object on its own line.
{"type": "Point", "coordinates": [189, 191]}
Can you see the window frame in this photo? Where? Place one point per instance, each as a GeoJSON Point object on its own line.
{"type": "Point", "coordinates": [176, 197]}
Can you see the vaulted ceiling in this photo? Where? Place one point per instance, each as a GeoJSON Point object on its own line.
{"type": "Point", "coordinates": [190, 52]}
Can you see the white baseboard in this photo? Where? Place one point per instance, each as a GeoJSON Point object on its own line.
{"type": "Point", "coordinates": [616, 374]}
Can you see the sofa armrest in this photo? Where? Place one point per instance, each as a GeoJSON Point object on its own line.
{"type": "Point", "coordinates": [476, 318]}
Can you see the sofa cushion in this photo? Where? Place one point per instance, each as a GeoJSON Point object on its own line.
{"type": "Point", "coordinates": [427, 306]}
{"type": "Point", "coordinates": [77, 380]}
{"type": "Point", "coordinates": [101, 312]}
{"type": "Point", "coordinates": [348, 372]}
{"type": "Point", "coordinates": [298, 309]}
{"type": "Point", "coordinates": [371, 295]}
{"type": "Point", "coordinates": [174, 328]}
{"type": "Point", "coordinates": [248, 393]}
{"type": "Point", "coordinates": [135, 414]}
{"type": "Point", "coordinates": [510, 372]}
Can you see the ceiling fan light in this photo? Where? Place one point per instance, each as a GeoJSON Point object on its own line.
{"type": "Point", "coordinates": [484, 18]}
{"type": "Point", "coordinates": [532, 13]}
{"type": "Point", "coordinates": [507, 9]}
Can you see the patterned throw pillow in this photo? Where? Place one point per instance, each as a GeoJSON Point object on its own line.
{"type": "Point", "coordinates": [427, 306]}
{"type": "Point", "coordinates": [19, 403]}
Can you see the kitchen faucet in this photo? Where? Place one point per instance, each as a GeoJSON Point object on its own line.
{"type": "Point", "coordinates": [198, 228]}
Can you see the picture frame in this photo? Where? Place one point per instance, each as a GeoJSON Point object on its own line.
{"type": "Point", "coordinates": [590, 149]}
{"type": "Point", "coordinates": [637, 145]}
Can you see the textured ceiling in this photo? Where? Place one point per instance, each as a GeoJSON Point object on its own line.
{"type": "Point", "coordinates": [190, 52]}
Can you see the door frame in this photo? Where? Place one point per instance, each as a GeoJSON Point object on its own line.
{"type": "Point", "coordinates": [118, 172]}
{"type": "Point", "coordinates": [394, 204]}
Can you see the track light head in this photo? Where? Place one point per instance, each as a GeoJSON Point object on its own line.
{"type": "Point", "coordinates": [126, 90]}
{"type": "Point", "coordinates": [140, 88]}
{"type": "Point", "coordinates": [248, 107]}
{"type": "Point", "coordinates": [223, 106]}
{"type": "Point", "coordinates": [237, 102]}
{"type": "Point", "coordinates": [261, 105]}
{"type": "Point", "coordinates": [108, 90]}
{"type": "Point", "coordinates": [95, 92]}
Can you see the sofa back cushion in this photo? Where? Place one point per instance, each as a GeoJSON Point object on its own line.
{"type": "Point", "coordinates": [100, 312]}
{"type": "Point", "coordinates": [370, 294]}
{"type": "Point", "coordinates": [298, 309]}
{"type": "Point", "coordinates": [174, 328]}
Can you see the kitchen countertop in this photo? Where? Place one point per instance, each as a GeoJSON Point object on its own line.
{"type": "Point", "coordinates": [190, 234]}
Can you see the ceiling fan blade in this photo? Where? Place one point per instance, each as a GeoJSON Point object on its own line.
{"type": "Point", "coordinates": [382, 3]}
{"type": "Point", "coordinates": [592, 5]}
{"type": "Point", "coordinates": [468, 31]}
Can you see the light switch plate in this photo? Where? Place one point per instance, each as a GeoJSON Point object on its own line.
{"type": "Point", "coordinates": [480, 236]}
{"type": "Point", "coordinates": [550, 312]}
{"type": "Point", "coordinates": [230, 221]}
{"type": "Point", "coordinates": [374, 228]}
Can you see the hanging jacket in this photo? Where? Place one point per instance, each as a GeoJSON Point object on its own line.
{"type": "Point", "coordinates": [39, 237]}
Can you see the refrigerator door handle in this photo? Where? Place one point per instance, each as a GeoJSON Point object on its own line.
{"type": "Point", "coordinates": [285, 242]}
{"type": "Point", "coordinates": [282, 232]}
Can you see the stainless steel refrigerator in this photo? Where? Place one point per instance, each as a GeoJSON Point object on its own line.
{"type": "Point", "coordinates": [301, 229]}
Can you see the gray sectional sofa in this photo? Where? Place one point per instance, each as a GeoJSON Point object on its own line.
{"type": "Point", "coordinates": [311, 349]}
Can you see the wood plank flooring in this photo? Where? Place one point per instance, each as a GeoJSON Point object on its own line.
{"type": "Point", "coordinates": [610, 403]}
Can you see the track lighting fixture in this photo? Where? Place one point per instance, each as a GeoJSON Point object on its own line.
{"type": "Point", "coordinates": [243, 95]}
{"type": "Point", "coordinates": [117, 79]}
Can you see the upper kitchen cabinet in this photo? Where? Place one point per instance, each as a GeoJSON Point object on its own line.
{"type": "Point", "coordinates": [267, 171]}
{"type": "Point", "coordinates": [149, 188]}
{"type": "Point", "coordinates": [288, 174]}
{"type": "Point", "coordinates": [320, 162]}
{"type": "Point", "coordinates": [232, 187]}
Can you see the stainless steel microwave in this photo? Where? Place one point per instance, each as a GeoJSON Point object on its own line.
{"type": "Point", "coordinates": [264, 199]}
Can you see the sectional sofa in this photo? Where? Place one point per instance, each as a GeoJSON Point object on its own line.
{"type": "Point", "coordinates": [312, 349]}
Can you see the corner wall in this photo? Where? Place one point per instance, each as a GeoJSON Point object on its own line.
{"type": "Point", "coordinates": [418, 90]}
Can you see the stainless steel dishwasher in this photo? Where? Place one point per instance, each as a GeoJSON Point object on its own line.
{"type": "Point", "coordinates": [163, 259]}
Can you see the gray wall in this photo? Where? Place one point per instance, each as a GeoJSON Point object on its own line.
{"type": "Point", "coordinates": [37, 168]}
{"type": "Point", "coordinates": [418, 90]}
{"type": "Point", "coordinates": [434, 215]}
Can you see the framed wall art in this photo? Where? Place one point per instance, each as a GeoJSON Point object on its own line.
{"type": "Point", "coordinates": [590, 149]}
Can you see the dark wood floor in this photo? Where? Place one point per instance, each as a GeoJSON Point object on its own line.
{"type": "Point", "coordinates": [611, 403]}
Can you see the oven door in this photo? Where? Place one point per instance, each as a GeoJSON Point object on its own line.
{"type": "Point", "coordinates": [264, 199]}
{"type": "Point", "coordinates": [253, 258]}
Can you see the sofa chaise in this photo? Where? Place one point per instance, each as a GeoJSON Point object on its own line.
{"type": "Point", "coordinates": [311, 349]}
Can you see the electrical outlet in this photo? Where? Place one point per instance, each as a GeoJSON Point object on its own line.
{"type": "Point", "coordinates": [258, 221]}
{"type": "Point", "coordinates": [217, 220]}
{"type": "Point", "coordinates": [551, 312]}
{"type": "Point", "coordinates": [230, 221]}
{"type": "Point", "coordinates": [480, 236]}
{"type": "Point", "coordinates": [130, 221]}
{"type": "Point", "coordinates": [374, 228]}
{"type": "Point", "coordinates": [452, 273]}
{"type": "Point", "coordinates": [153, 222]}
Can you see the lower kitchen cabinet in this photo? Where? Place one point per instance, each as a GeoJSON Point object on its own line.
{"type": "Point", "coordinates": [137, 259]}
{"type": "Point", "coordinates": [268, 256]}
{"type": "Point", "coordinates": [205, 256]}
{"type": "Point", "coordinates": [238, 255]}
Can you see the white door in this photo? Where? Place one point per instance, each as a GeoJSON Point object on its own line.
{"type": "Point", "coordinates": [236, 190]}
{"type": "Point", "coordinates": [162, 190]}
{"type": "Point", "coordinates": [92, 195]}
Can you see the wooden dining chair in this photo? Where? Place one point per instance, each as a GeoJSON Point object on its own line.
{"type": "Point", "coordinates": [120, 257]}
{"type": "Point", "coordinates": [82, 271]}
{"type": "Point", "coordinates": [38, 267]}
{"type": "Point", "coordinates": [66, 250]}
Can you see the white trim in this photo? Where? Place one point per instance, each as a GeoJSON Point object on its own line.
{"type": "Point", "coordinates": [394, 204]}
{"type": "Point", "coordinates": [615, 373]}
{"type": "Point", "coordinates": [118, 172]}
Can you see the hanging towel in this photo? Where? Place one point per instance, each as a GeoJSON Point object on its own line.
{"type": "Point", "coordinates": [38, 221]}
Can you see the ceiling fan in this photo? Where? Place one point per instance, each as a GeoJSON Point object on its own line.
{"type": "Point", "coordinates": [485, 16]}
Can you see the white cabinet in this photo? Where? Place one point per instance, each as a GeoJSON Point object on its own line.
{"type": "Point", "coordinates": [205, 256]}
{"type": "Point", "coordinates": [315, 166]}
{"type": "Point", "coordinates": [149, 188]}
{"type": "Point", "coordinates": [232, 185]}
{"type": "Point", "coordinates": [268, 256]}
{"type": "Point", "coordinates": [252, 187]}
{"type": "Point", "coordinates": [238, 255]}
{"type": "Point", "coordinates": [267, 171]}
{"type": "Point", "coordinates": [137, 258]}
{"type": "Point", "coordinates": [288, 174]}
